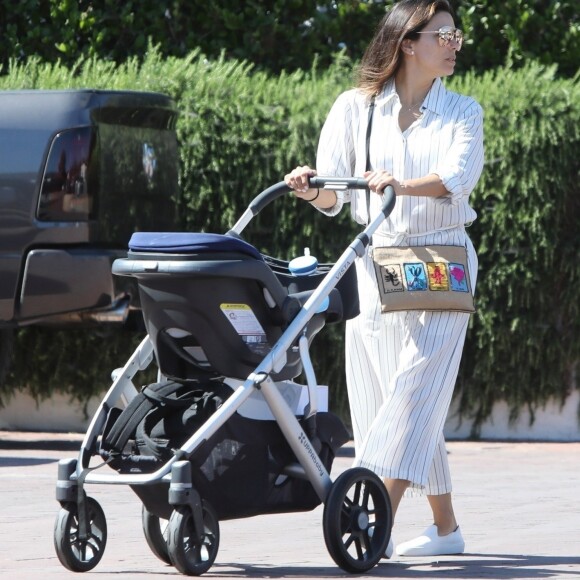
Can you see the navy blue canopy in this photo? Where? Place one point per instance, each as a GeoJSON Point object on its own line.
{"type": "Point", "coordinates": [189, 243]}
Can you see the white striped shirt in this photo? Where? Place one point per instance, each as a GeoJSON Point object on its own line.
{"type": "Point", "coordinates": [446, 140]}
{"type": "Point", "coordinates": [401, 367]}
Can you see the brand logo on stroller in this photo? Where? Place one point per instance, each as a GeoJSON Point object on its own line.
{"type": "Point", "coordinates": [343, 270]}
{"type": "Point", "coordinates": [306, 444]}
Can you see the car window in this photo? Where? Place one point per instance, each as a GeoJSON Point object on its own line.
{"type": "Point", "coordinates": [68, 184]}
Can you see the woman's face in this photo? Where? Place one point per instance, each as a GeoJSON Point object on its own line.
{"type": "Point", "coordinates": [430, 55]}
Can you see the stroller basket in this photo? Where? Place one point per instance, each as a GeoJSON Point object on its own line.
{"type": "Point", "coordinates": [240, 470]}
{"type": "Point", "coordinates": [219, 291]}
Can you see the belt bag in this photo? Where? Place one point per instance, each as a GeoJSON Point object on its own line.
{"type": "Point", "coordinates": [434, 278]}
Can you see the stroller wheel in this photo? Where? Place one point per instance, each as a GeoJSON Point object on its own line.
{"type": "Point", "coordinates": [76, 554]}
{"type": "Point", "coordinates": [188, 556]}
{"type": "Point", "coordinates": [156, 531]}
{"type": "Point", "coordinates": [357, 520]}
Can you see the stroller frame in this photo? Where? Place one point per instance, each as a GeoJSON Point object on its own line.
{"type": "Point", "coordinates": [83, 518]}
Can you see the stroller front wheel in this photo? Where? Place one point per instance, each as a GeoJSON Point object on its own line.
{"type": "Point", "coordinates": [156, 531]}
{"type": "Point", "coordinates": [357, 520]}
{"type": "Point", "coordinates": [74, 553]}
{"type": "Point", "coordinates": [189, 556]}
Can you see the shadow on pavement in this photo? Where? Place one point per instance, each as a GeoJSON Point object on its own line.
{"type": "Point", "coordinates": [467, 567]}
{"type": "Point", "coordinates": [40, 445]}
{"type": "Point", "coordinates": [25, 461]}
{"type": "Point", "coordinates": [502, 566]}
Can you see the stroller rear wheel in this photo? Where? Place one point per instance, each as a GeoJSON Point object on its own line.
{"type": "Point", "coordinates": [74, 553]}
{"type": "Point", "coordinates": [357, 520]}
{"type": "Point", "coordinates": [156, 531]}
{"type": "Point", "coordinates": [187, 555]}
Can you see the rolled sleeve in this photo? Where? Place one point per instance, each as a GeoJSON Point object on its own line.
{"type": "Point", "coordinates": [335, 209]}
{"type": "Point", "coordinates": [462, 166]}
{"type": "Point", "coordinates": [336, 150]}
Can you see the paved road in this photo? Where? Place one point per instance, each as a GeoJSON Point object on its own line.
{"type": "Point", "coordinates": [518, 505]}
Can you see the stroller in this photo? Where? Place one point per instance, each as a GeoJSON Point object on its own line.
{"type": "Point", "coordinates": [222, 431]}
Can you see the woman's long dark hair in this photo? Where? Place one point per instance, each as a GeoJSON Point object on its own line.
{"type": "Point", "coordinates": [382, 57]}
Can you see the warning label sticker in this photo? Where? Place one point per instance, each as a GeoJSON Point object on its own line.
{"type": "Point", "coordinates": [244, 321]}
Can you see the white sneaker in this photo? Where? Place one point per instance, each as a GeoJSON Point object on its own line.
{"type": "Point", "coordinates": [430, 543]}
{"type": "Point", "coordinates": [390, 546]}
{"type": "Point", "coordinates": [390, 549]}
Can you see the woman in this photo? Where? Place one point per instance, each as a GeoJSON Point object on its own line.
{"type": "Point", "coordinates": [427, 143]}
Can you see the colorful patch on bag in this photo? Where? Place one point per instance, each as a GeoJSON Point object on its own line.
{"type": "Point", "coordinates": [415, 277]}
{"type": "Point", "coordinates": [458, 277]}
{"type": "Point", "coordinates": [391, 278]}
{"type": "Point", "coordinates": [438, 276]}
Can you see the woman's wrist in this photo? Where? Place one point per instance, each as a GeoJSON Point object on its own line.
{"type": "Point", "coordinates": [313, 198]}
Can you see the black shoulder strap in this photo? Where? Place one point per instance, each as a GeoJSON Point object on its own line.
{"type": "Point", "coordinates": [126, 424]}
{"type": "Point", "coordinates": [207, 400]}
{"type": "Point", "coordinates": [368, 154]}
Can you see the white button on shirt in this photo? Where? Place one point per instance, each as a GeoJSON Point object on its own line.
{"type": "Point", "coordinates": [446, 140]}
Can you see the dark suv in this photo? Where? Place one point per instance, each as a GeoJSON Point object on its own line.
{"type": "Point", "coordinates": [80, 171]}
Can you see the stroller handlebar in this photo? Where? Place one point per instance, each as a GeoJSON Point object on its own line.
{"type": "Point", "coordinates": [342, 183]}
{"type": "Point", "coordinates": [279, 189]}
{"type": "Point", "coordinates": [330, 183]}
{"type": "Point", "coordinates": [338, 183]}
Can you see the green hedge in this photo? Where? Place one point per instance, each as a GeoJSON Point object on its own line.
{"type": "Point", "coordinates": [241, 130]}
{"type": "Point", "coordinates": [524, 343]}
{"type": "Point", "coordinates": [277, 34]}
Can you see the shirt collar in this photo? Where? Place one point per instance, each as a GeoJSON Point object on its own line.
{"type": "Point", "coordinates": [434, 101]}
{"type": "Point", "coordinates": [386, 94]}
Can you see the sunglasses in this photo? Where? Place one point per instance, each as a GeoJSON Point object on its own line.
{"type": "Point", "coordinates": [447, 34]}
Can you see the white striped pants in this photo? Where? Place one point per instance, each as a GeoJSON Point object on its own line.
{"type": "Point", "coordinates": [401, 369]}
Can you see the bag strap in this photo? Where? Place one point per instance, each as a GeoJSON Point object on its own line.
{"type": "Point", "coordinates": [207, 402]}
{"type": "Point", "coordinates": [368, 154]}
{"type": "Point", "coordinates": [150, 397]}
{"type": "Point", "coordinates": [162, 396]}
